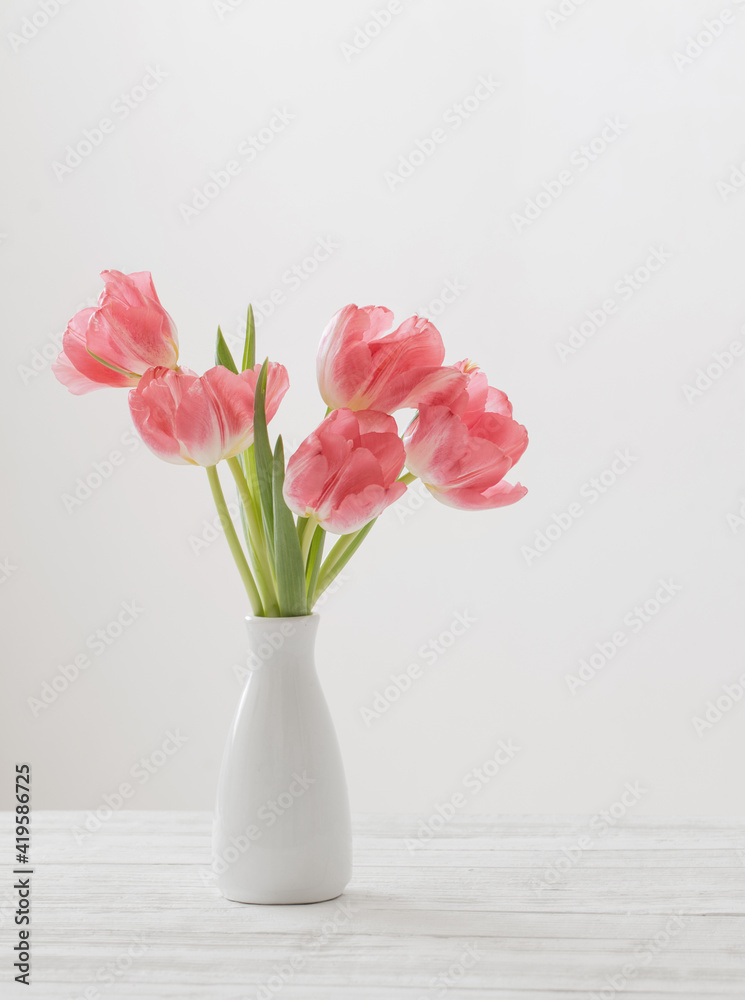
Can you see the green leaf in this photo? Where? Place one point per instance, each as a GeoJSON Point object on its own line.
{"type": "Point", "coordinates": [249, 349]}
{"type": "Point", "coordinates": [287, 554]}
{"type": "Point", "coordinates": [222, 353]}
{"type": "Point", "coordinates": [264, 460]}
{"type": "Point", "coordinates": [247, 535]}
{"type": "Point", "coordinates": [315, 557]}
{"type": "Point", "coordinates": [248, 462]}
{"type": "Point", "coordinates": [301, 522]}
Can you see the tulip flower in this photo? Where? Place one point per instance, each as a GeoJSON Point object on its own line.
{"type": "Point", "coordinates": [345, 473]}
{"type": "Point", "coordinates": [462, 451]}
{"type": "Point", "coordinates": [190, 420]}
{"type": "Point", "coordinates": [461, 443]}
{"type": "Point", "coordinates": [115, 342]}
{"type": "Point", "coordinates": [362, 368]}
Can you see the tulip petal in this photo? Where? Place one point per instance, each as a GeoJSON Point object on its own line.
{"type": "Point", "coordinates": [277, 384]}
{"type": "Point", "coordinates": [434, 443]}
{"type": "Point", "coordinates": [502, 494]}
{"type": "Point", "coordinates": [75, 357]}
{"type": "Point", "coordinates": [134, 338]}
{"type": "Point", "coordinates": [215, 416]}
{"type": "Point", "coordinates": [359, 470]}
{"type": "Point", "coordinates": [400, 362]}
{"type": "Point", "coordinates": [66, 373]}
{"type": "Point", "coordinates": [479, 397]}
{"type": "Point", "coordinates": [200, 421]}
{"type": "Point", "coordinates": [345, 472]}
{"type": "Point", "coordinates": [497, 402]}
{"type": "Point", "coordinates": [129, 289]}
{"type": "Point", "coordinates": [112, 344]}
{"type": "Point", "coordinates": [153, 405]}
{"type": "Point", "coordinates": [358, 509]}
{"type": "Point", "coordinates": [130, 328]}
{"type": "Point", "coordinates": [426, 386]}
{"type": "Point", "coordinates": [462, 455]}
{"type": "Point", "coordinates": [509, 436]}
{"type": "Point", "coordinates": [361, 367]}
{"type": "Point", "coordinates": [343, 361]}
{"type": "Point", "coordinates": [313, 464]}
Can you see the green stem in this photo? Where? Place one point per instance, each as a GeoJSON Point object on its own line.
{"type": "Point", "coordinates": [264, 577]}
{"type": "Point", "coordinates": [308, 532]}
{"type": "Point", "coordinates": [301, 522]}
{"type": "Point", "coordinates": [249, 469]}
{"type": "Point", "coordinates": [313, 565]}
{"type": "Point", "coordinates": [233, 541]}
{"type": "Point", "coordinates": [337, 551]}
{"type": "Point", "coordinates": [339, 556]}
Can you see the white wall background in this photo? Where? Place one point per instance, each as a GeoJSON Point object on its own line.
{"type": "Point", "coordinates": [225, 69]}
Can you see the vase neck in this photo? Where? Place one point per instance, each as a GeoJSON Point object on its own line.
{"type": "Point", "coordinates": [282, 642]}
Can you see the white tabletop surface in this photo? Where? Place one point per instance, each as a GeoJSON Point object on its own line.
{"type": "Point", "coordinates": [505, 908]}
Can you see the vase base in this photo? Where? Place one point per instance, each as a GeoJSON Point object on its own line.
{"type": "Point", "coordinates": [280, 900]}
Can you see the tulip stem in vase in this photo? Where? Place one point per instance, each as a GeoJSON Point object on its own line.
{"type": "Point", "coordinates": [461, 442]}
{"type": "Point", "coordinates": [233, 540]}
{"type": "Point", "coordinates": [339, 556]}
{"type": "Point", "coordinates": [257, 545]}
{"type": "Point", "coordinates": [309, 531]}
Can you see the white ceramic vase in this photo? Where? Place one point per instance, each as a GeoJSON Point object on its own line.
{"type": "Point", "coordinates": [282, 832]}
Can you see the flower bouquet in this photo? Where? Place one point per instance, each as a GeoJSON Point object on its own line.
{"type": "Point", "coordinates": [282, 823]}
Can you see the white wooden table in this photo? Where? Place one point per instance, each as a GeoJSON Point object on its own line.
{"type": "Point", "coordinates": [649, 909]}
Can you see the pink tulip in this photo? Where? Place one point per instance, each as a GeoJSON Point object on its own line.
{"type": "Point", "coordinates": [361, 368]}
{"type": "Point", "coordinates": [129, 331]}
{"type": "Point", "coordinates": [192, 420]}
{"type": "Point", "coordinates": [462, 451]}
{"type": "Point", "coordinates": [344, 473]}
